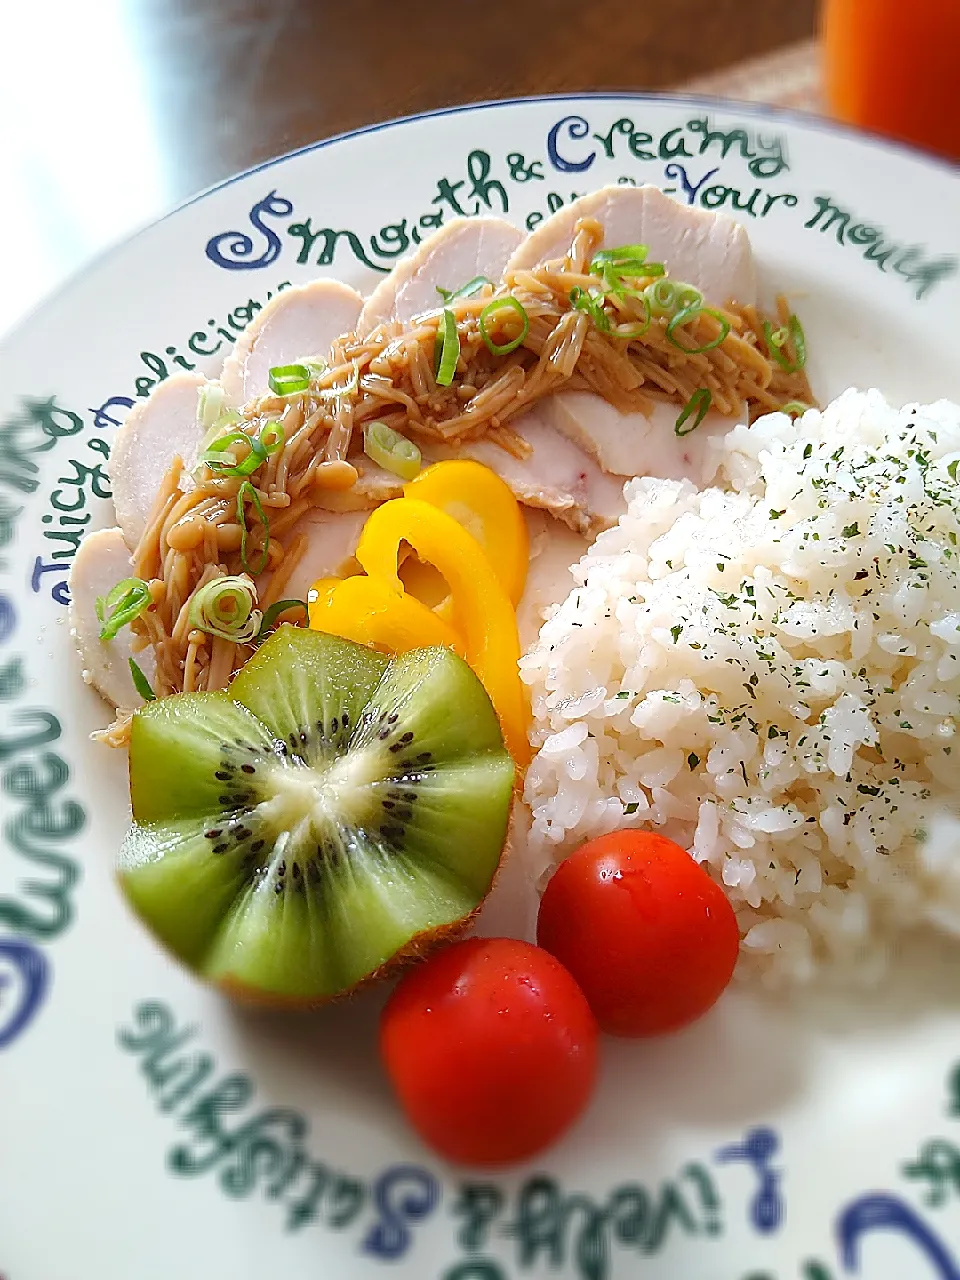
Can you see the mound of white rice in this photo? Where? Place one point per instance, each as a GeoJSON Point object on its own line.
{"type": "Point", "coordinates": [768, 672]}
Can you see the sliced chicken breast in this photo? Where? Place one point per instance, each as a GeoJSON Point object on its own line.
{"type": "Point", "coordinates": [332, 538]}
{"type": "Point", "coordinates": [297, 322]}
{"type": "Point", "coordinates": [163, 426]}
{"type": "Point", "coordinates": [632, 444]}
{"type": "Point", "coordinates": [707, 250]}
{"type": "Point", "coordinates": [455, 254]}
{"type": "Point", "coordinates": [558, 476]}
{"type": "Point", "coordinates": [554, 548]}
{"type": "Point", "coordinates": [102, 561]}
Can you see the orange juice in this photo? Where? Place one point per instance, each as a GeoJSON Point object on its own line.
{"type": "Point", "coordinates": [892, 67]}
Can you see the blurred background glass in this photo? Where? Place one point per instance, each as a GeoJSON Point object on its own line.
{"type": "Point", "coordinates": [890, 67]}
{"type": "Point", "coordinates": [114, 111]}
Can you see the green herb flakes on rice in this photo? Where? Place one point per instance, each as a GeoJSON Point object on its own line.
{"type": "Point", "coordinates": [768, 671]}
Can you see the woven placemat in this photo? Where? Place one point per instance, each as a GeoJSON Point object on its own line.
{"type": "Point", "coordinates": [790, 77]}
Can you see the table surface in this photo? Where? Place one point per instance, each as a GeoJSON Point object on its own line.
{"type": "Point", "coordinates": [142, 103]}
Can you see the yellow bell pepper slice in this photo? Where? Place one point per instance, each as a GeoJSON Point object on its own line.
{"type": "Point", "coordinates": [369, 611]}
{"type": "Point", "coordinates": [479, 500]}
{"type": "Point", "coordinates": [483, 608]}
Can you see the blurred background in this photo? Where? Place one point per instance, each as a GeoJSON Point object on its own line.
{"type": "Point", "coordinates": [114, 111]}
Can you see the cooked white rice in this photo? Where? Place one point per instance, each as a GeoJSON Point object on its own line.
{"type": "Point", "coordinates": [767, 672]}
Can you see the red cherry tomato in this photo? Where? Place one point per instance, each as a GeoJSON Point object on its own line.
{"type": "Point", "coordinates": [650, 938]}
{"type": "Point", "coordinates": [491, 1048]}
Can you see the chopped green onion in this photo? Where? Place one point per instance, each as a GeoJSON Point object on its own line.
{"type": "Point", "coordinates": [626, 255]}
{"type": "Point", "coordinates": [668, 297]}
{"type": "Point", "coordinates": [661, 297]}
{"type": "Point", "coordinates": [289, 379]}
{"type": "Point", "coordinates": [391, 450]}
{"type": "Point", "coordinates": [314, 365]}
{"type": "Point", "coordinates": [272, 438]}
{"type": "Point", "coordinates": [225, 608]}
{"type": "Point", "coordinates": [630, 331]}
{"type": "Point", "coordinates": [592, 304]}
{"type": "Point", "coordinates": [448, 348]}
{"type": "Point", "coordinates": [466, 290]}
{"type": "Point", "coordinates": [122, 603]}
{"type": "Point", "coordinates": [688, 297]}
{"type": "Point", "coordinates": [228, 463]}
{"type": "Point", "coordinates": [691, 313]}
{"type": "Point", "coordinates": [212, 408]}
{"type": "Point", "coordinates": [504, 348]}
{"type": "Point", "coordinates": [777, 339]}
{"type": "Point", "coordinates": [140, 682]}
{"type": "Point", "coordinates": [614, 278]}
{"type": "Point", "coordinates": [796, 407]}
{"type": "Point", "coordinates": [274, 612]}
{"type": "Point", "coordinates": [699, 404]}
{"type": "Point", "coordinates": [245, 491]}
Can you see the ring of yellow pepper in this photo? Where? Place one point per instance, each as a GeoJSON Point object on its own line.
{"type": "Point", "coordinates": [462, 519]}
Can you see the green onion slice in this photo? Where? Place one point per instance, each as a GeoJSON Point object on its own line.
{"type": "Point", "coordinates": [636, 330]}
{"type": "Point", "coordinates": [226, 608]}
{"type": "Point", "coordinates": [796, 407]}
{"type": "Point", "coordinates": [699, 404]}
{"type": "Point", "coordinates": [466, 290]}
{"type": "Point", "coordinates": [272, 438]}
{"type": "Point", "coordinates": [691, 313]}
{"type": "Point", "coordinates": [273, 613]}
{"type": "Point", "coordinates": [661, 297]}
{"type": "Point", "coordinates": [289, 379]}
{"type": "Point", "coordinates": [448, 348]}
{"type": "Point", "coordinates": [122, 603]}
{"type": "Point", "coordinates": [498, 304]}
{"type": "Point", "coordinates": [212, 409]}
{"type": "Point", "coordinates": [391, 450]}
{"type": "Point", "coordinates": [592, 304]}
{"type": "Point", "coordinates": [777, 339]}
{"type": "Point", "coordinates": [629, 256]}
{"type": "Point", "coordinates": [245, 491]}
{"type": "Point", "coordinates": [314, 365]}
{"type": "Point", "coordinates": [688, 297]}
{"type": "Point", "coordinates": [669, 297]}
{"type": "Point", "coordinates": [615, 279]}
{"type": "Point", "coordinates": [140, 682]}
{"type": "Point", "coordinates": [228, 464]}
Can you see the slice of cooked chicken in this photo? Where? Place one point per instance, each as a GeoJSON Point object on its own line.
{"type": "Point", "coordinates": [558, 476]}
{"type": "Point", "coordinates": [155, 432]}
{"type": "Point", "coordinates": [455, 254]}
{"type": "Point", "coordinates": [302, 321]}
{"type": "Point", "coordinates": [103, 560]}
{"type": "Point", "coordinates": [632, 444]}
{"type": "Point", "coordinates": [554, 550]}
{"type": "Point", "coordinates": [708, 250]}
{"type": "Point", "coordinates": [332, 538]}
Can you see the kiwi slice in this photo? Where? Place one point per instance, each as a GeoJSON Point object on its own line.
{"type": "Point", "coordinates": [332, 812]}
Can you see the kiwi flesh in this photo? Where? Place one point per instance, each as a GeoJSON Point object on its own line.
{"type": "Point", "coordinates": [328, 815]}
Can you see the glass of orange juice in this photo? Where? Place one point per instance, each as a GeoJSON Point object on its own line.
{"type": "Point", "coordinates": [891, 67]}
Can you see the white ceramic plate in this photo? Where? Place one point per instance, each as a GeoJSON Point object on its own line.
{"type": "Point", "coordinates": [147, 1129]}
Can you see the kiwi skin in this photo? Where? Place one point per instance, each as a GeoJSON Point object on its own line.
{"type": "Point", "coordinates": [156, 810]}
{"type": "Point", "coordinates": [417, 949]}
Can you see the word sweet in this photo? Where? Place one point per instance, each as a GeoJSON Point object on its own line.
{"type": "Point", "coordinates": [37, 822]}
